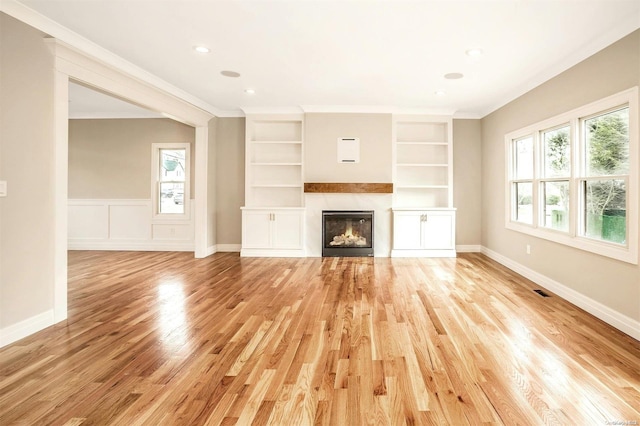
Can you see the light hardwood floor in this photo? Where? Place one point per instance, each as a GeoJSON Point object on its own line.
{"type": "Point", "coordinates": [166, 339]}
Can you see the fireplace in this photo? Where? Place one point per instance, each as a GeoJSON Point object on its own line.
{"type": "Point", "coordinates": [347, 233]}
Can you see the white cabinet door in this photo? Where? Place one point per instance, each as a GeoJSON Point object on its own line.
{"type": "Point", "coordinates": [256, 229]}
{"type": "Point", "coordinates": [437, 231]}
{"type": "Point", "coordinates": [424, 233]}
{"type": "Point", "coordinates": [287, 230]}
{"type": "Point", "coordinates": [407, 233]}
{"type": "Point", "coordinates": [272, 232]}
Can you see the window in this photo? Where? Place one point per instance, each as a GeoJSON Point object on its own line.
{"type": "Point", "coordinates": [570, 178]}
{"type": "Point", "coordinates": [170, 179]}
{"type": "Point", "coordinates": [523, 182]}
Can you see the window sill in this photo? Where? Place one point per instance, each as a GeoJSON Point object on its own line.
{"type": "Point", "coordinates": [628, 254]}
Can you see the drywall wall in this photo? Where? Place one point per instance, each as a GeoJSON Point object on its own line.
{"type": "Point", "coordinates": [609, 282]}
{"type": "Point", "coordinates": [322, 131]}
{"type": "Point", "coordinates": [112, 158]}
{"type": "Point", "coordinates": [230, 139]}
{"type": "Point", "coordinates": [26, 163]}
{"type": "Point", "coordinates": [211, 182]}
{"type": "Point", "coordinates": [467, 177]}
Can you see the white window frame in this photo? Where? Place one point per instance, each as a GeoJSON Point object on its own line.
{"type": "Point", "coordinates": [627, 252]}
{"type": "Point", "coordinates": [155, 181]}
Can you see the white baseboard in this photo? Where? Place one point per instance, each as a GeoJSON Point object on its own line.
{"type": "Point", "coordinates": [423, 253]}
{"type": "Point", "coordinates": [271, 253]}
{"type": "Point", "coordinates": [476, 248]}
{"type": "Point", "coordinates": [110, 245]}
{"type": "Point", "coordinates": [612, 317]}
{"type": "Point", "coordinates": [229, 247]}
{"type": "Point", "coordinates": [24, 328]}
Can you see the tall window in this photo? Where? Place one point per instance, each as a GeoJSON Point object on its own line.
{"type": "Point", "coordinates": [604, 187]}
{"type": "Point", "coordinates": [570, 178]}
{"type": "Point", "coordinates": [170, 179]}
{"type": "Point", "coordinates": [555, 178]}
{"type": "Point", "coordinates": [523, 183]}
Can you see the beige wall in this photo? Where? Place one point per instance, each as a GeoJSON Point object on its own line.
{"type": "Point", "coordinates": [467, 175]}
{"type": "Point", "coordinates": [26, 163]}
{"type": "Point", "coordinates": [320, 147]}
{"type": "Point", "coordinates": [112, 158]}
{"type": "Point", "coordinates": [211, 182]}
{"type": "Point", "coordinates": [230, 136]}
{"type": "Point", "coordinates": [613, 283]}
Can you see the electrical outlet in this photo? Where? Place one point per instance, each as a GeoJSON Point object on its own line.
{"type": "Point", "coordinates": [528, 249]}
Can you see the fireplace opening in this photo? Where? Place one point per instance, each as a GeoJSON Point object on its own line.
{"type": "Point", "coordinates": [347, 233]}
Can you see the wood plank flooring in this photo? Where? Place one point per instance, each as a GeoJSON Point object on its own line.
{"type": "Point", "coordinates": [166, 339]}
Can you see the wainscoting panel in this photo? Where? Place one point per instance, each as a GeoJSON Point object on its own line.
{"type": "Point", "coordinates": [130, 220]}
{"type": "Point", "coordinates": [125, 225]}
{"type": "Point", "coordinates": [88, 221]}
{"type": "Point", "coordinates": [172, 232]}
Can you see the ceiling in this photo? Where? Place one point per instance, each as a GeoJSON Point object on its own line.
{"type": "Point", "coordinates": [348, 55]}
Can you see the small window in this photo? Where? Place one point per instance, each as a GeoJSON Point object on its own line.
{"type": "Point", "coordinates": [171, 179]}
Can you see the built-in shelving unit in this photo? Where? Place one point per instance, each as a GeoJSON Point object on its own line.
{"type": "Point", "coordinates": [273, 216]}
{"type": "Point", "coordinates": [423, 161]}
{"type": "Point", "coordinates": [424, 217]}
{"type": "Point", "coordinates": [274, 161]}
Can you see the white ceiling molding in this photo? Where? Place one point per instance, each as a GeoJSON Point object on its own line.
{"type": "Point", "coordinates": [620, 30]}
{"type": "Point", "coordinates": [272, 110]}
{"type": "Point", "coordinates": [373, 109]}
{"type": "Point", "coordinates": [290, 53]}
{"type": "Point", "coordinates": [94, 73]}
{"type": "Point", "coordinates": [88, 48]}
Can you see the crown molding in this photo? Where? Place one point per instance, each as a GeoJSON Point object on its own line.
{"type": "Point", "coordinates": [74, 40]}
{"type": "Point", "coordinates": [231, 113]}
{"type": "Point", "coordinates": [112, 116]}
{"type": "Point", "coordinates": [375, 109]}
{"type": "Point", "coordinates": [272, 110]}
{"type": "Point", "coordinates": [620, 30]}
{"type": "Point", "coordinates": [467, 115]}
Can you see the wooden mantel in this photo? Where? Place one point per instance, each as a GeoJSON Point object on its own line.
{"type": "Point", "coordinates": [349, 188]}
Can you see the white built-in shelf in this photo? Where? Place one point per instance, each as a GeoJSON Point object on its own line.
{"type": "Point", "coordinates": [423, 174]}
{"type": "Point", "coordinates": [274, 154]}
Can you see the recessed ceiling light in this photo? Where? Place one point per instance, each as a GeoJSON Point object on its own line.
{"type": "Point", "coordinates": [453, 76]}
{"type": "Point", "coordinates": [230, 73]}
{"type": "Point", "coordinates": [474, 53]}
{"type": "Point", "coordinates": [440, 92]}
{"type": "Point", "coordinates": [201, 49]}
{"type": "Point", "coordinates": [249, 91]}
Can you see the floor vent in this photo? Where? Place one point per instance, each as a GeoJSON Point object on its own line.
{"type": "Point", "coordinates": [542, 293]}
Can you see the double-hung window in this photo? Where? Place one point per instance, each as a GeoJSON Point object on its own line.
{"type": "Point", "coordinates": [573, 178]}
{"type": "Point", "coordinates": [170, 180]}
